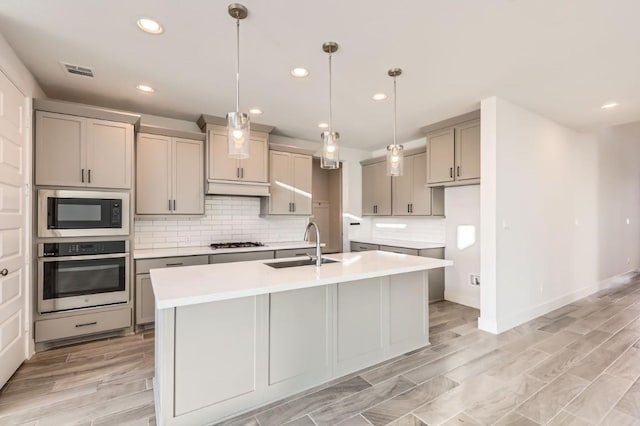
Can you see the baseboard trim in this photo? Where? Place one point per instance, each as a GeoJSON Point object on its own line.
{"type": "Point", "coordinates": [502, 325]}
{"type": "Point", "coordinates": [461, 298]}
{"type": "Point", "coordinates": [489, 326]}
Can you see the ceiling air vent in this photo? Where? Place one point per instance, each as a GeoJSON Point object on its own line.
{"type": "Point", "coordinates": [78, 70]}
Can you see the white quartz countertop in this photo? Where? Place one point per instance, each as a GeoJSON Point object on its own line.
{"type": "Point", "coordinates": [190, 285]}
{"type": "Point", "coordinates": [196, 251]}
{"type": "Point", "coordinates": [418, 245]}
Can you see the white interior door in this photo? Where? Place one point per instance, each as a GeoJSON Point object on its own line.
{"type": "Point", "coordinates": [12, 229]}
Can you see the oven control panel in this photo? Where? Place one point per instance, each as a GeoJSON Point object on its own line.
{"type": "Point", "coordinates": [82, 248]}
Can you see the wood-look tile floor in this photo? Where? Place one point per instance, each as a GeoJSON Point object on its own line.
{"type": "Point", "coordinates": [578, 365]}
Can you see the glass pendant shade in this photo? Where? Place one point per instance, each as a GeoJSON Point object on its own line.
{"type": "Point", "coordinates": [395, 160]}
{"type": "Point", "coordinates": [330, 150]}
{"type": "Point", "coordinates": [238, 135]}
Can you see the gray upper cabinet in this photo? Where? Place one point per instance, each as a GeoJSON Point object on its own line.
{"type": "Point", "coordinates": [82, 152]}
{"type": "Point", "coordinates": [170, 175]}
{"type": "Point", "coordinates": [453, 155]}
{"type": "Point", "coordinates": [410, 196]}
{"type": "Point", "coordinates": [468, 151]}
{"type": "Point", "coordinates": [252, 169]}
{"type": "Point", "coordinates": [290, 180]}
{"type": "Point", "coordinates": [376, 190]}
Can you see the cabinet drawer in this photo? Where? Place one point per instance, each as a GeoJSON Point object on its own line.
{"type": "Point", "coordinates": [356, 246]}
{"type": "Point", "coordinates": [401, 250]}
{"type": "Point", "coordinates": [295, 252]}
{"type": "Point", "coordinates": [143, 266]}
{"type": "Point", "coordinates": [240, 257]}
{"type": "Point", "coordinates": [78, 325]}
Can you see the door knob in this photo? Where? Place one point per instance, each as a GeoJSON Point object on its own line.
{"type": "Point", "coordinates": [4, 272]}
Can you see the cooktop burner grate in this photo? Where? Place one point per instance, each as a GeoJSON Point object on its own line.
{"type": "Point", "coordinates": [236, 245]}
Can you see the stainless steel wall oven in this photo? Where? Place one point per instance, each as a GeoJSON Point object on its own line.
{"type": "Point", "coordinates": [73, 275]}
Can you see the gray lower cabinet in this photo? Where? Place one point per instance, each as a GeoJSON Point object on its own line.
{"type": "Point", "coordinates": [311, 251]}
{"type": "Point", "coordinates": [81, 324]}
{"type": "Point", "coordinates": [145, 304]}
{"type": "Point", "coordinates": [436, 276]}
{"type": "Point", "coordinates": [240, 257]}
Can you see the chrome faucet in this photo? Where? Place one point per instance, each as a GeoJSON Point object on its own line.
{"type": "Point", "coordinates": [318, 248]}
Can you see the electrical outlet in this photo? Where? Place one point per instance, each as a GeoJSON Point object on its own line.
{"type": "Point", "coordinates": [474, 280]}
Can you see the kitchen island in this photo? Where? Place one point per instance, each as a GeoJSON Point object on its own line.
{"type": "Point", "coordinates": [233, 337]}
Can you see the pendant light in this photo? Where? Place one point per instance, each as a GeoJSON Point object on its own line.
{"type": "Point", "coordinates": [330, 159]}
{"type": "Point", "coordinates": [395, 155]}
{"type": "Point", "coordinates": [238, 122]}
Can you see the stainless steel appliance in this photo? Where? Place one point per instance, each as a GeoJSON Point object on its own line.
{"type": "Point", "coordinates": [236, 245]}
{"type": "Point", "coordinates": [80, 275]}
{"type": "Point", "coordinates": [74, 213]}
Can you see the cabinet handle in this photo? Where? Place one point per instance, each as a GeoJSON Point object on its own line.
{"type": "Point", "coordinates": [450, 172]}
{"type": "Point", "coordinates": [169, 205]}
{"type": "Point", "coordinates": [4, 272]}
{"type": "Point", "coordinates": [86, 324]}
{"type": "Point", "coordinates": [294, 206]}
{"type": "Point", "coordinates": [242, 172]}
{"type": "Point", "coordinates": [238, 172]}
{"type": "Point", "coordinates": [408, 208]}
{"type": "Point", "coordinates": [458, 170]}
{"type": "Point", "coordinates": [89, 175]}
{"type": "Point", "coordinates": [174, 264]}
{"type": "Point", "coordinates": [82, 177]}
{"type": "Point", "coordinates": [174, 205]}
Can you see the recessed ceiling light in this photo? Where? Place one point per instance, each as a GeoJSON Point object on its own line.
{"type": "Point", "coordinates": [379, 97]}
{"type": "Point", "coordinates": [255, 111]}
{"type": "Point", "coordinates": [323, 125]}
{"type": "Point", "coordinates": [609, 105]}
{"type": "Point", "coordinates": [299, 72]}
{"type": "Point", "coordinates": [145, 88]}
{"type": "Point", "coordinates": [149, 26]}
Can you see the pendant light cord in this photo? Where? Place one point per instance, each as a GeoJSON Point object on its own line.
{"type": "Point", "coordinates": [395, 110]}
{"type": "Point", "coordinates": [330, 97]}
{"type": "Point", "coordinates": [237, 65]}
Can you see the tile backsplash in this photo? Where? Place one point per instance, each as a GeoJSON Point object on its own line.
{"type": "Point", "coordinates": [409, 229]}
{"type": "Point", "coordinates": [226, 219]}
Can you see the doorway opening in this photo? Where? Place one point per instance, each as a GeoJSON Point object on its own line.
{"type": "Point", "coordinates": [327, 205]}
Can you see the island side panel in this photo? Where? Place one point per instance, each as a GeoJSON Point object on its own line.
{"type": "Point", "coordinates": [360, 323]}
{"type": "Point", "coordinates": [300, 323]}
{"type": "Point", "coordinates": [163, 380]}
{"type": "Point", "coordinates": [215, 343]}
{"type": "Point", "coordinates": [408, 312]}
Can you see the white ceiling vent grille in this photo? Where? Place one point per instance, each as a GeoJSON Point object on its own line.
{"type": "Point", "coordinates": [78, 70]}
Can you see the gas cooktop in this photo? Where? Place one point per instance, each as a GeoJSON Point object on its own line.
{"type": "Point", "coordinates": [235, 245]}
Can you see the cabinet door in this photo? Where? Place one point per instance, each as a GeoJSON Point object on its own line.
{"type": "Point", "coordinates": [421, 195]}
{"type": "Point", "coordinates": [281, 185]}
{"type": "Point", "coordinates": [382, 190]}
{"type": "Point", "coordinates": [109, 154]}
{"type": "Point", "coordinates": [402, 192]}
{"type": "Point", "coordinates": [153, 174]}
{"type": "Point", "coordinates": [220, 165]}
{"type": "Point", "coordinates": [60, 150]}
{"type": "Point", "coordinates": [440, 156]}
{"type": "Point", "coordinates": [188, 177]}
{"type": "Point", "coordinates": [255, 168]}
{"type": "Point", "coordinates": [301, 176]}
{"type": "Point", "coordinates": [145, 303]}
{"type": "Point", "coordinates": [468, 151]}
{"type": "Point", "coordinates": [368, 188]}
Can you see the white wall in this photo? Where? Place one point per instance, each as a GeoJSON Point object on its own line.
{"type": "Point", "coordinates": [539, 215]}
{"type": "Point", "coordinates": [618, 200]}
{"type": "Point", "coordinates": [462, 208]}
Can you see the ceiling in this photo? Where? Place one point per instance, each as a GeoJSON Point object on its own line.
{"type": "Point", "coordinates": [563, 59]}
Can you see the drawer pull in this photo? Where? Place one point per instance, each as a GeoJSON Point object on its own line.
{"type": "Point", "coordinates": [87, 324]}
{"type": "Point", "coordinates": [174, 264]}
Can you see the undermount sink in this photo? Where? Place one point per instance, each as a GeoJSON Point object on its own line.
{"type": "Point", "coordinates": [299, 262]}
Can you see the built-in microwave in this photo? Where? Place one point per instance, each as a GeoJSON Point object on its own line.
{"type": "Point", "coordinates": [76, 213]}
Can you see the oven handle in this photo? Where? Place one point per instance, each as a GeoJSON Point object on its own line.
{"type": "Point", "coordinates": [98, 256]}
